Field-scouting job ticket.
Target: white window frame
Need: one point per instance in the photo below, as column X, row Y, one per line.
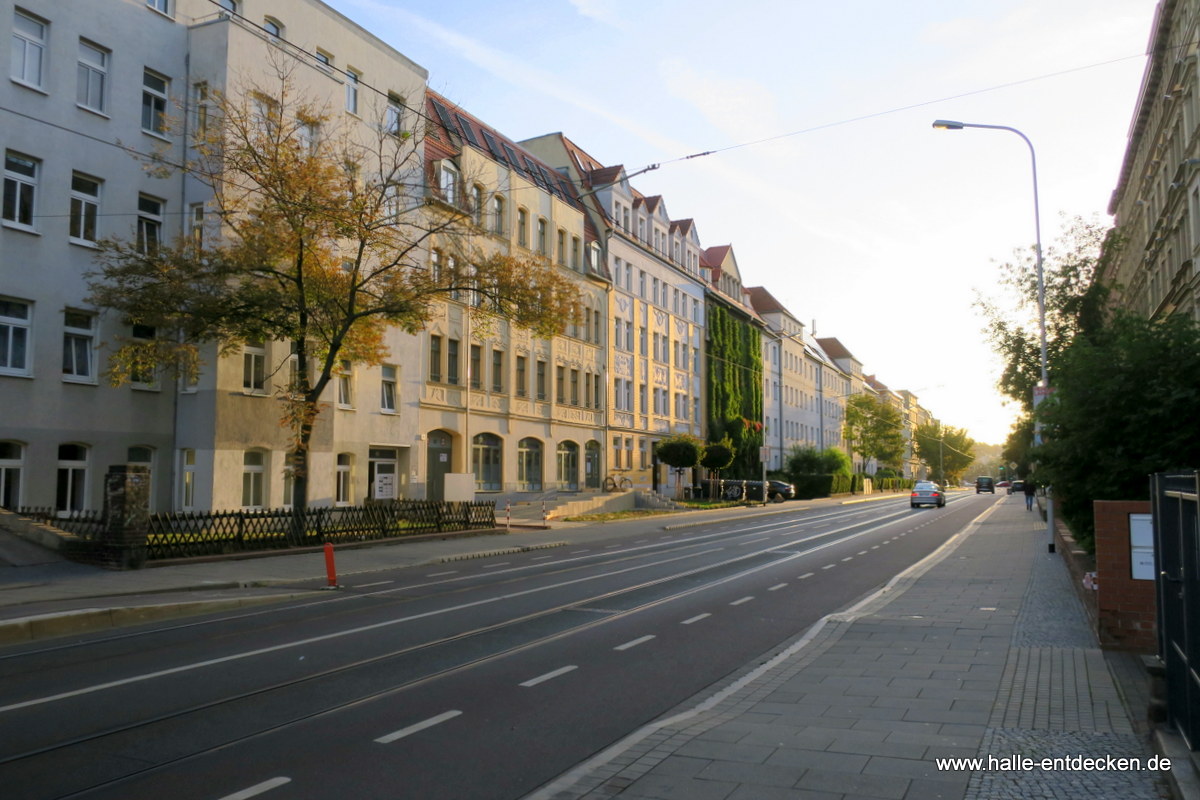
column 345, row 385
column 352, row 80
column 11, row 474
column 75, row 472
column 92, row 86
column 344, row 480
column 393, row 120
column 16, row 331
column 137, row 380
column 151, row 211
column 83, row 227
column 154, row 101
column 388, row 388
column 200, row 104
column 273, row 27
column 161, row 6
column 187, row 479
column 448, row 181
column 254, row 368
column 20, row 190
column 79, row 344
column 28, row 50
column 254, row 469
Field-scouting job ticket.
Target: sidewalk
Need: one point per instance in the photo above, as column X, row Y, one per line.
column 982, row 650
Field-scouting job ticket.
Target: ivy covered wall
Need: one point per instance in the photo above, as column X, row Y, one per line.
column 735, row 389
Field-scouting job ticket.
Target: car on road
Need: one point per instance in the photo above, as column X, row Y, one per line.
column 985, row 484
column 1016, row 487
column 777, row 491
column 927, row 493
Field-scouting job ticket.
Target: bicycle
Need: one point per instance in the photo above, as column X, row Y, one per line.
column 617, row 483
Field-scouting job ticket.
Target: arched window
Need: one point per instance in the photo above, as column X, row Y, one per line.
column 568, row 466
column 529, row 465
column 71, row 487
column 254, row 464
column 273, row 27
column 12, row 458
column 498, row 215
column 486, row 460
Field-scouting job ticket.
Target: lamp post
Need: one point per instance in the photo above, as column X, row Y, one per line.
column 1042, row 388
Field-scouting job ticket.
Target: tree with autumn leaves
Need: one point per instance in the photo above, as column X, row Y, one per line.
column 319, row 235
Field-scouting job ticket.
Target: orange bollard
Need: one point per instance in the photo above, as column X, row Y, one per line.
column 330, row 569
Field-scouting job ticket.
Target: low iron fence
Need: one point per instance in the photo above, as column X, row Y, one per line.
column 188, row 534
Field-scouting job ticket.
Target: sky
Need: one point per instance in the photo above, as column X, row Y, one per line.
column 827, row 178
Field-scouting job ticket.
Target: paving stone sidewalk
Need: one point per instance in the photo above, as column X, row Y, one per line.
column 981, row 651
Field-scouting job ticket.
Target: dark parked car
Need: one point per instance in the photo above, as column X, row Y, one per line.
column 778, row 490
column 1016, row 487
column 985, row 484
column 927, row 493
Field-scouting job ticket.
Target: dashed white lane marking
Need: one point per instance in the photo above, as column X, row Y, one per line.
column 494, row 566
column 742, row 600
column 549, row 676
column 440, row 574
column 862, row 552
column 257, row 789
column 806, row 575
column 829, row 566
column 696, row 618
column 777, row 587
column 848, row 558
column 417, row 728
column 376, row 583
column 541, row 558
column 874, row 547
column 633, row 643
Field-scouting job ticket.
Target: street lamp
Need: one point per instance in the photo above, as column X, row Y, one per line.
column 1042, row 388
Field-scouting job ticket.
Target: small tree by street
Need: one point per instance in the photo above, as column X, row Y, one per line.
column 948, row 451
column 680, row 452
column 873, row 430
column 717, row 456
column 316, row 235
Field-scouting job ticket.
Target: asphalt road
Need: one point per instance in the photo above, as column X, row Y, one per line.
column 481, row 679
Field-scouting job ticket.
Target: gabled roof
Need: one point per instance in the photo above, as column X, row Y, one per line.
column 764, row 302
column 836, row 349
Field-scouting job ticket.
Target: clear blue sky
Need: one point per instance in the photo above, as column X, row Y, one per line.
column 867, row 220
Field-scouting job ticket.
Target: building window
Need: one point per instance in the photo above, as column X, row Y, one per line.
column 497, row 371
column 529, row 465
column 452, row 361
column 71, row 486
column 342, row 487
column 228, row 5
column 568, row 466
column 448, row 181
column 93, row 74
column 154, row 103
column 387, row 389
column 541, row 380
column 200, row 104
column 393, row 120
column 562, row 247
column 85, row 207
column 273, row 28
column 161, row 6
column 486, row 460
column 79, row 341
column 15, row 329
column 28, row 49
column 20, row 189
column 253, row 469
column 560, row 384
column 187, row 479
column 476, row 367
column 498, row 215
column 149, row 224
column 11, row 464
column 352, row 79
column 435, row 359
column 522, row 227
column 254, row 368
column 522, row 386
column 542, row 244
column 195, row 223
column 574, row 387
column 345, row 385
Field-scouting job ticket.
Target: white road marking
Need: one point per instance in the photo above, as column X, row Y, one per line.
column 829, row 566
column 806, row 575
column 862, row 552
column 696, row 618
column 848, row 558
column 549, row 676
column 376, row 583
column 417, row 728
column 742, row 600
column 633, row 643
column 440, row 574
column 493, row 566
column 777, row 587
column 257, row 789
column 541, row 558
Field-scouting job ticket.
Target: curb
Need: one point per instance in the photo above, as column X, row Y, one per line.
column 85, row 620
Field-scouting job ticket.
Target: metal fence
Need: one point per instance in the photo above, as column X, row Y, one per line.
column 1177, row 554
column 204, row 533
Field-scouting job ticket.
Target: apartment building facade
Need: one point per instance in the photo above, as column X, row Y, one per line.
column 1156, row 203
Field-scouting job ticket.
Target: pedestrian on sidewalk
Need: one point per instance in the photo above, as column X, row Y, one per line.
column 1030, row 491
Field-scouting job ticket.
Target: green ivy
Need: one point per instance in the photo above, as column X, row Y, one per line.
column 735, row 394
